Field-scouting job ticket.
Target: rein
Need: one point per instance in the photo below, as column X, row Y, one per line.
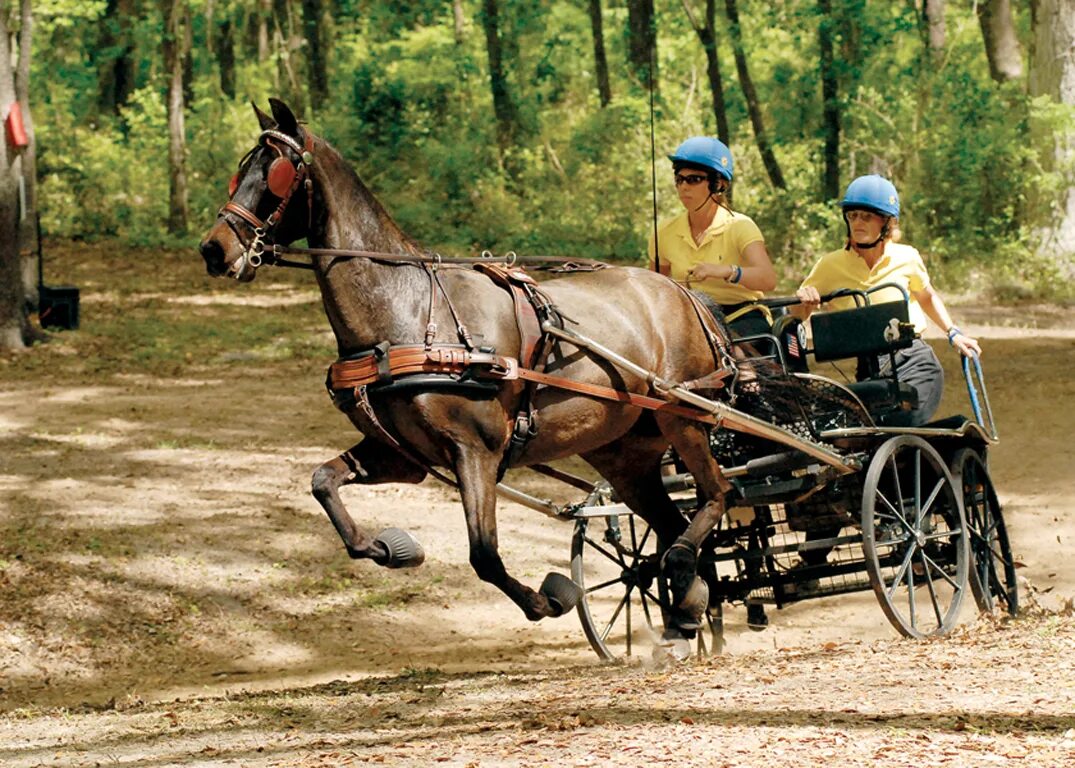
column 566, row 263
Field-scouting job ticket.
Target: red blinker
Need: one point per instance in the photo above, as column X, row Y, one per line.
column 233, row 185
column 281, row 176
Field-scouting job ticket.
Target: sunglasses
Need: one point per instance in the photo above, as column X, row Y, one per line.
column 690, row 179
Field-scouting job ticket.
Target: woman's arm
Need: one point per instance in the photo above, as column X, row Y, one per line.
column 933, row 305
column 756, row 269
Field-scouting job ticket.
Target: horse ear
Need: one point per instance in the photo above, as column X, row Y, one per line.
column 264, row 120
column 285, row 118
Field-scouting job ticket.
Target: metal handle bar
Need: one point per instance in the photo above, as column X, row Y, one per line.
column 861, row 297
column 972, row 392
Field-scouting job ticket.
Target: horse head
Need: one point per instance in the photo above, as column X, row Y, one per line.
column 270, row 198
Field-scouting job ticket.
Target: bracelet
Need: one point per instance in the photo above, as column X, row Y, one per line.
column 953, row 331
column 736, row 275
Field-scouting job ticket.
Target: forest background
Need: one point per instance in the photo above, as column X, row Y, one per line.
column 525, row 125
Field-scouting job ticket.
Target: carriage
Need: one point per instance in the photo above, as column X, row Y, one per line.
column 788, row 484
column 918, row 521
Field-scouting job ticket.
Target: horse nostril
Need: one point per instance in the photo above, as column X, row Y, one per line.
column 213, row 254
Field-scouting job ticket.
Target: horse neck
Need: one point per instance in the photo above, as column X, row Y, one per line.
column 366, row 302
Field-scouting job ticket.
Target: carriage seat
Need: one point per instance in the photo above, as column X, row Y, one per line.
column 874, row 329
column 865, row 333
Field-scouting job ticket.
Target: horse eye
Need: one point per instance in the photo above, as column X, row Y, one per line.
column 233, row 185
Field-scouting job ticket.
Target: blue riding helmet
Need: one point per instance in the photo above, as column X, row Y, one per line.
column 872, row 193
column 705, row 152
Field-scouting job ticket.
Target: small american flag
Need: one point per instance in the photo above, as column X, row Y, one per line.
column 793, row 344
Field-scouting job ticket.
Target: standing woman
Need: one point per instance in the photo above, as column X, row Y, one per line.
column 873, row 255
column 711, row 248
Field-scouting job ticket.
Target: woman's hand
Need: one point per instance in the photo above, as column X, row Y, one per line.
column 966, row 345
column 707, row 271
column 809, row 296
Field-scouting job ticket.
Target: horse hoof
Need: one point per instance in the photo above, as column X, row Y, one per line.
column 404, row 551
column 562, row 593
column 694, row 603
column 672, row 647
column 757, row 621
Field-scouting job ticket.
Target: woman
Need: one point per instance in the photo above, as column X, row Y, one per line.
column 711, row 248
column 718, row 253
column 871, row 256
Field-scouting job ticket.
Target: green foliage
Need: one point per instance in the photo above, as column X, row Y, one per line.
column 410, row 106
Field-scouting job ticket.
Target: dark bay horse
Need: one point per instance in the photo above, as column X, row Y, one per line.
column 293, row 184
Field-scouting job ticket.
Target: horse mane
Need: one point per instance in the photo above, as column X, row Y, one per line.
column 350, row 199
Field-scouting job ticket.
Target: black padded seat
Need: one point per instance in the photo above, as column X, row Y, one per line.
column 884, row 394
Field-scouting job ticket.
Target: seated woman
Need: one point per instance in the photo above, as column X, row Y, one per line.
column 709, row 247
column 873, row 255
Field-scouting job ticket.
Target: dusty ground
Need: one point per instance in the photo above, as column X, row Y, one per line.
column 171, row 594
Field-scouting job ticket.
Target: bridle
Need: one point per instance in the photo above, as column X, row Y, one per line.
column 283, row 179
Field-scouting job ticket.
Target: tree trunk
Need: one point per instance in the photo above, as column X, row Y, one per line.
column 460, row 21
column 768, row 158
column 503, row 105
column 317, row 35
column 27, row 166
column 14, row 321
column 604, row 88
column 1002, row 47
column 642, row 43
column 707, row 34
column 226, row 57
column 934, row 29
column 1052, row 74
column 174, row 41
column 115, row 77
column 830, row 177
column 264, row 23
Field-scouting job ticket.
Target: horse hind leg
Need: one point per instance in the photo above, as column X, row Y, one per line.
column 368, row 463
column 632, row 466
column 680, row 564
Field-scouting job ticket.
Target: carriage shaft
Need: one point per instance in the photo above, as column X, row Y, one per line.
column 725, row 414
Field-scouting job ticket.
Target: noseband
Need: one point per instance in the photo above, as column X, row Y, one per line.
column 280, row 185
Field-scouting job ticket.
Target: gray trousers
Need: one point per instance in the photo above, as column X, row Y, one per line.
column 918, row 366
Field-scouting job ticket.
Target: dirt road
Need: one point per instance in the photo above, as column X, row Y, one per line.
column 171, row 594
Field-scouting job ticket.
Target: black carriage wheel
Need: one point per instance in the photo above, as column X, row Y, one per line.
column 614, row 560
column 914, row 537
column 992, row 576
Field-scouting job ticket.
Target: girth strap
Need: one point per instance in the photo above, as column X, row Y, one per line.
column 454, row 360
column 386, row 363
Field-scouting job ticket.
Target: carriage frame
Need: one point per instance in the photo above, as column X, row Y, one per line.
column 833, row 504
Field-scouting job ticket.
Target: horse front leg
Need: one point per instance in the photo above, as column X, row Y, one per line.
column 477, row 487
column 368, row 463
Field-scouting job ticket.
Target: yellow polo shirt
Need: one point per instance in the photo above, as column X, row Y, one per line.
column 900, row 264
column 722, row 243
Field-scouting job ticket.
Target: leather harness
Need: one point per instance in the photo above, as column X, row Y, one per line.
column 351, row 380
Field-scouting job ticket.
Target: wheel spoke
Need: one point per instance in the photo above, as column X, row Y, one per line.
column 625, row 600
column 919, row 511
column 897, row 514
column 932, row 497
column 604, row 584
column 904, row 566
column 616, row 557
column 928, row 561
column 911, row 607
column 932, row 590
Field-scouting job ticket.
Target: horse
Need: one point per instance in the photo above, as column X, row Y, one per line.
column 381, row 290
